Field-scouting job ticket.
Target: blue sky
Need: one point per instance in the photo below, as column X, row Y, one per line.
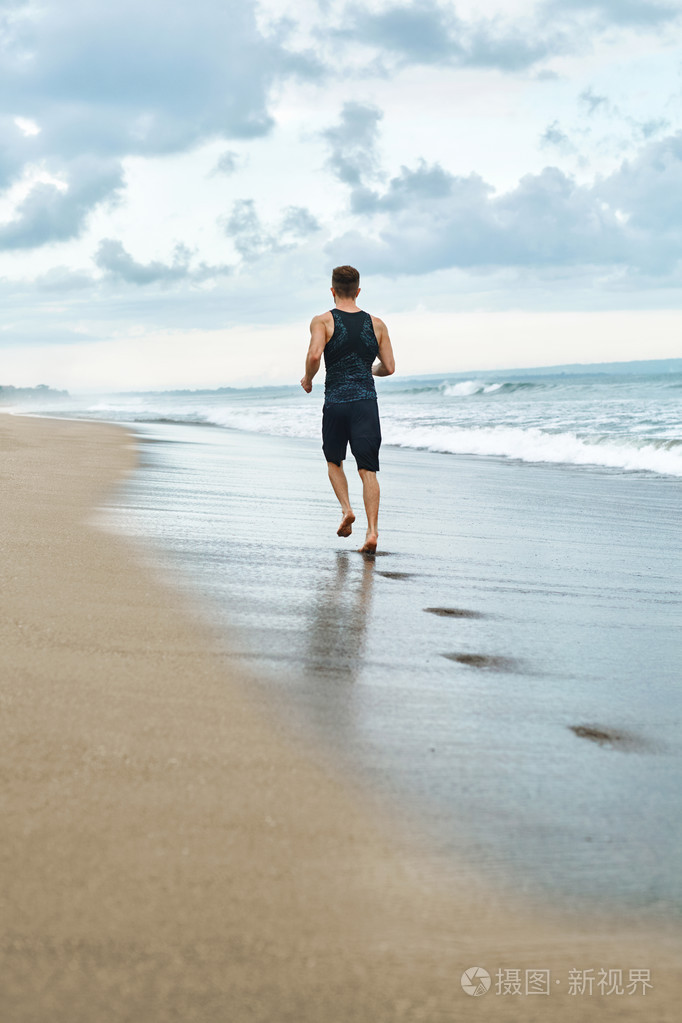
column 178, row 180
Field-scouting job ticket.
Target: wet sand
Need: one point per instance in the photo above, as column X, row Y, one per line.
column 170, row 853
column 513, row 613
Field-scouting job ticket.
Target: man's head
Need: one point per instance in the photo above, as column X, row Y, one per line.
column 345, row 282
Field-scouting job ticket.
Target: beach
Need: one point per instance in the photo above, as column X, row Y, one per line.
column 507, row 667
column 178, row 845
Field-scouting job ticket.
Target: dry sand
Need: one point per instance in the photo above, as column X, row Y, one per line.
column 169, row 853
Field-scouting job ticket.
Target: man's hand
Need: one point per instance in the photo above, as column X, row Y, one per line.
column 306, row 384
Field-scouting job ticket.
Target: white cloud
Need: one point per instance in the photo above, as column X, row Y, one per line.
column 102, row 90
column 26, row 126
column 118, row 264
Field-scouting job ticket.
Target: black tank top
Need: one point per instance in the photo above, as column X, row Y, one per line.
column 348, row 358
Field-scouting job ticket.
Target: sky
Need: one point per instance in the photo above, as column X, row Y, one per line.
column 177, row 182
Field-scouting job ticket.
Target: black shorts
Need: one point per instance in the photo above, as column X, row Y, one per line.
column 357, row 422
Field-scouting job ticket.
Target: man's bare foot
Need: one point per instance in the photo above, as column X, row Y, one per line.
column 370, row 544
column 346, row 527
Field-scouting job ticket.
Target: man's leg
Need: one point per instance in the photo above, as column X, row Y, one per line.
column 370, row 495
column 340, row 484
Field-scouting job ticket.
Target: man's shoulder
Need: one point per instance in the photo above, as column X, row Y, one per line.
column 326, row 318
column 322, row 325
column 377, row 323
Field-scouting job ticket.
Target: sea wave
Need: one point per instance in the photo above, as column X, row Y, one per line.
column 534, row 445
column 628, row 452
column 295, row 421
column 636, row 450
column 467, row 388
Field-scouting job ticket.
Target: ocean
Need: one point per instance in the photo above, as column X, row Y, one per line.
column 505, row 673
column 623, row 421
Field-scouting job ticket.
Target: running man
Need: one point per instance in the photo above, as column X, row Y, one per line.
column 351, row 341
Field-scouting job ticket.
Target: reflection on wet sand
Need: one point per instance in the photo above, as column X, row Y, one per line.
column 332, row 654
column 338, row 623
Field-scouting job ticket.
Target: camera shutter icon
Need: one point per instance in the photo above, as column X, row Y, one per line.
column 475, row 981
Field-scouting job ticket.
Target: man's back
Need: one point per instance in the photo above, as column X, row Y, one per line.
column 349, row 356
column 322, row 329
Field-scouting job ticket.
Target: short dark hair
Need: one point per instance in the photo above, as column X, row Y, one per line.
column 345, row 281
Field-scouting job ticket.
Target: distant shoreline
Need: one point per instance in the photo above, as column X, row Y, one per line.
column 644, row 367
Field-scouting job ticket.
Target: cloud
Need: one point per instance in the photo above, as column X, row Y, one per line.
column 352, row 142
column 547, row 219
column 428, row 32
column 253, row 239
column 105, row 81
column 354, row 159
column 423, row 33
column 244, row 227
column 648, row 189
column 428, row 219
column 298, row 222
column 165, row 85
column 592, row 101
column 226, row 163
column 638, row 13
column 647, row 129
column 50, row 213
column 409, row 189
column 112, row 257
column 60, row 279
column 554, row 136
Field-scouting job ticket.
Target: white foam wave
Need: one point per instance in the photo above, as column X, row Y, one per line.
column 281, row 422
column 535, row 445
column 463, row 389
column 531, row 444
column 407, row 426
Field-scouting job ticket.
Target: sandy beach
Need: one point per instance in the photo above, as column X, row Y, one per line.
column 171, row 852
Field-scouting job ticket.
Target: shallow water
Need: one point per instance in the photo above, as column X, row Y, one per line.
column 506, row 671
column 627, row 420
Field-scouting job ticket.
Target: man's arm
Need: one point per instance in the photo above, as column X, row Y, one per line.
column 385, row 366
column 318, row 339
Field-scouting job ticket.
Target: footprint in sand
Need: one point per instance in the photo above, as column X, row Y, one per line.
column 486, row 661
column 609, row 738
column 454, row 612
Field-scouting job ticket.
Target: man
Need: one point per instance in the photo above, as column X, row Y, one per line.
column 356, row 348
